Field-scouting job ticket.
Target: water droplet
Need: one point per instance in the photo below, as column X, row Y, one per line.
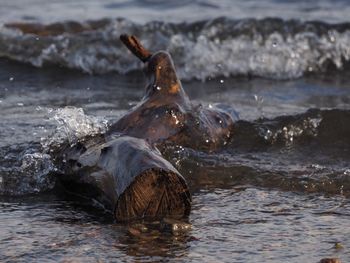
column 20, row 104
column 159, row 88
column 11, row 79
column 207, row 141
column 274, row 44
column 332, row 36
column 210, row 106
column 221, row 81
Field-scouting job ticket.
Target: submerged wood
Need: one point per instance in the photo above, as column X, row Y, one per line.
column 123, row 169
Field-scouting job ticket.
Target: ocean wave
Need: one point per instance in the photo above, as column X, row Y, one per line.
column 307, row 152
column 269, row 48
column 28, row 168
column 324, row 128
column 265, row 152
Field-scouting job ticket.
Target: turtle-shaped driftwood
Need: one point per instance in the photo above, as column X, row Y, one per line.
column 123, row 168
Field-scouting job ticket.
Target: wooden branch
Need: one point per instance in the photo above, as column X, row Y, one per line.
column 134, row 45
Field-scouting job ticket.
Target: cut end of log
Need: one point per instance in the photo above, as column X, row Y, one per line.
column 154, row 194
column 134, row 45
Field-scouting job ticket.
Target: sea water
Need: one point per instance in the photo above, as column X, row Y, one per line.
column 277, row 192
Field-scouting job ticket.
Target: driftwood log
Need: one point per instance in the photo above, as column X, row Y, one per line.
column 166, row 113
column 128, row 176
column 123, row 168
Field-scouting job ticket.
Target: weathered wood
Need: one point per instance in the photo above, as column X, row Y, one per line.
column 134, row 45
column 128, row 176
column 166, row 113
column 124, row 170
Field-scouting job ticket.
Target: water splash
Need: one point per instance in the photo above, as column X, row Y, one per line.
column 30, row 168
column 287, row 134
column 72, row 125
column 36, row 167
column 30, row 175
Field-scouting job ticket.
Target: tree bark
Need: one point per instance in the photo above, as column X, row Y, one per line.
column 128, row 176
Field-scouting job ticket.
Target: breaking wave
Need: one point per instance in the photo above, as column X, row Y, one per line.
column 265, row 152
column 28, row 168
column 269, row 48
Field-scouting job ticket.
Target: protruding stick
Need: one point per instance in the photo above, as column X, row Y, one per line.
column 134, row 45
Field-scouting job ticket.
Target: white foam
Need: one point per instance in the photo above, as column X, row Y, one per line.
column 72, row 125
column 218, row 48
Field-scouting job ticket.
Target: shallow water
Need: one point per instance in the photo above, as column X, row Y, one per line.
column 238, row 224
column 277, row 192
column 289, row 198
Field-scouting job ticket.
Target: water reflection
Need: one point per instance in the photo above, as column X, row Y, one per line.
column 241, row 223
column 154, row 241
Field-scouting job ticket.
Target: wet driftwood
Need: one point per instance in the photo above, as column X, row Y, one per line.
column 166, row 114
column 127, row 176
column 123, row 169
